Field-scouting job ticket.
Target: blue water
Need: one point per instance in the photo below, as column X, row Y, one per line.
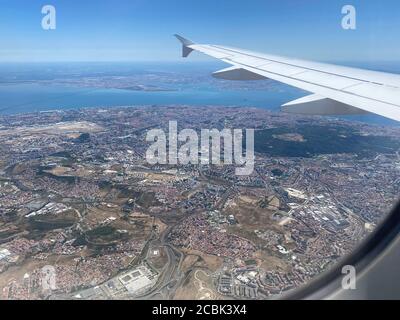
column 32, row 97
column 194, row 86
column 21, row 90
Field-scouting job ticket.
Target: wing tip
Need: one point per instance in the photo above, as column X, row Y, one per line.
column 186, row 43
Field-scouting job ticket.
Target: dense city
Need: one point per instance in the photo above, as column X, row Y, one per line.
column 81, row 207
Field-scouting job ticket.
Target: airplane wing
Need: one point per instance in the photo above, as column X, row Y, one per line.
column 335, row 89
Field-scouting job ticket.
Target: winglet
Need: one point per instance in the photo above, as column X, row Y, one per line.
column 186, row 50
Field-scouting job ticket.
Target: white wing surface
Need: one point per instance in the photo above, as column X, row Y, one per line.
column 336, row 89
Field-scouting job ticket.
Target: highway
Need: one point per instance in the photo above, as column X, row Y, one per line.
column 171, row 275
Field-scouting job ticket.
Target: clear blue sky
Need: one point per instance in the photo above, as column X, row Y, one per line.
column 135, row 30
